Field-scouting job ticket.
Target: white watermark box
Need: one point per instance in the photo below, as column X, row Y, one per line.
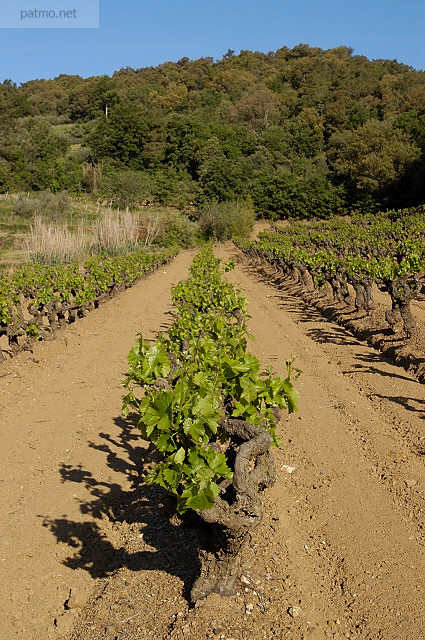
column 49, row 14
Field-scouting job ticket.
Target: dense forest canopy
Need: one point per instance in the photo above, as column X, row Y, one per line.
column 300, row 132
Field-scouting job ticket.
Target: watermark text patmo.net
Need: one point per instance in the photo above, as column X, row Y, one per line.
column 46, row 14
column 49, row 14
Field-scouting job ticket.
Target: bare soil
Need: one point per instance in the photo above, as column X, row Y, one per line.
column 89, row 553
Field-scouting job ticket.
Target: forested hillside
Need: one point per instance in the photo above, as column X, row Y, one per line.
column 299, row 131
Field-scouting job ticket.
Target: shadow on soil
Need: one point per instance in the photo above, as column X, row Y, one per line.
column 289, row 298
column 317, row 308
column 150, row 509
column 365, row 365
column 410, row 404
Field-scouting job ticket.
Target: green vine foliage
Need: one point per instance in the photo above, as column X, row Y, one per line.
column 195, row 375
column 68, row 285
column 383, row 248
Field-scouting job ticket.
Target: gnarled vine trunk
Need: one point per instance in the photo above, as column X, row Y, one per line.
column 237, row 512
column 364, row 296
column 402, row 291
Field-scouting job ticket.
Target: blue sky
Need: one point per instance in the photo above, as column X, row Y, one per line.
column 140, row 33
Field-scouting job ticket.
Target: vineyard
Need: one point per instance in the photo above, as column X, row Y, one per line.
column 345, row 259
column 212, row 322
column 136, row 526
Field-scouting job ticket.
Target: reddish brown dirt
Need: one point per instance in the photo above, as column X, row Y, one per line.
column 340, row 553
column 67, row 457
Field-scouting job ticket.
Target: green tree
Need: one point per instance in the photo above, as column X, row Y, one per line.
column 368, row 159
column 223, row 179
column 13, row 103
column 258, row 108
column 126, row 188
column 184, row 136
column 33, row 155
column 120, row 136
column 90, row 98
column 284, row 194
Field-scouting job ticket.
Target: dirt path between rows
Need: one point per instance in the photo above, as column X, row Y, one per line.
column 340, row 553
column 65, row 458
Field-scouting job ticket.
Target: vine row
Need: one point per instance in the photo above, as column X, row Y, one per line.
column 36, row 300
column 210, row 411
column 386, row 250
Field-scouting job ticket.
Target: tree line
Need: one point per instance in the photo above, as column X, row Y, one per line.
column 298, row 132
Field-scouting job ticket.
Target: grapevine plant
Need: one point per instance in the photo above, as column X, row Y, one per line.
column 387, row 249
column 37, row 299
column 211, row 412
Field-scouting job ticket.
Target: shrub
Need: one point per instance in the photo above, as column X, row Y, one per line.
column 168, row 228
column 25, row 206
column 226, row 220
column 173, row 188
column 46, row 203
column 126, row 188
column 53, row 203
column 178, row 230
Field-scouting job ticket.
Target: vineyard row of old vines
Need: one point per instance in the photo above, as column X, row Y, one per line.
column 387, row 250
column 36, row 300
column 211, row 413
